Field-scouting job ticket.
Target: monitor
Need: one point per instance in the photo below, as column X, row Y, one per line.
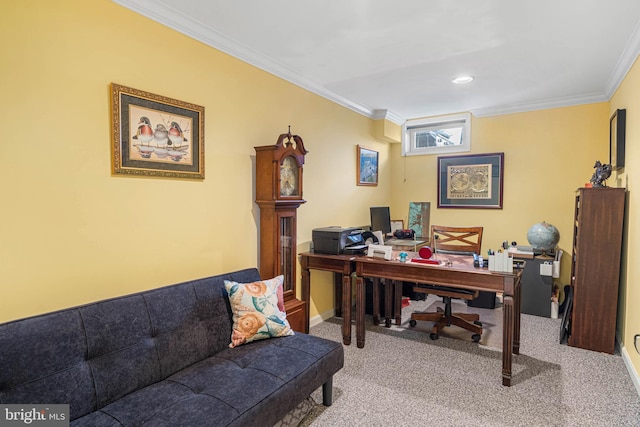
column 380, row 219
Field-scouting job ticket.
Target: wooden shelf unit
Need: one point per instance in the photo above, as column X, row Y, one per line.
column 595, row 267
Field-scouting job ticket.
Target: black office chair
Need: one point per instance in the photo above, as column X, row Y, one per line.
column 451, row 240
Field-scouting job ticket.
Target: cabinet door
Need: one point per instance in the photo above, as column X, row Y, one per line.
column 296, row 315
column 286, row 258
column 536, row 289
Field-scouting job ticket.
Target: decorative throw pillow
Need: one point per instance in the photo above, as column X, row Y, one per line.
column 256, row 314
column 280, row 294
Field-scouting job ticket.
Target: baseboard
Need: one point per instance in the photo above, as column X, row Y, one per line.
column 635, row 378
column 316, row 320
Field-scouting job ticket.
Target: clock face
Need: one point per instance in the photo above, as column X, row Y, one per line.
column 289, row 177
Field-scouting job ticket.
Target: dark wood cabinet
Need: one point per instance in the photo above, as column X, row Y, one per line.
column 595, row 267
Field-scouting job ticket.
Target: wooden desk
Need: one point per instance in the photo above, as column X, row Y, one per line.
column 342, row 264
column 460, row 274
column 342, row 267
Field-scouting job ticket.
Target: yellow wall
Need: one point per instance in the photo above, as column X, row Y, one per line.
column 548, row 154
column 72, row 233
column 628, row 96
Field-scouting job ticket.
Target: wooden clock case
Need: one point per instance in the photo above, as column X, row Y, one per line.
column 279, row 203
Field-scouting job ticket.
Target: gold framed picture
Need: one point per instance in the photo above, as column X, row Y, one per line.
column 155, row 136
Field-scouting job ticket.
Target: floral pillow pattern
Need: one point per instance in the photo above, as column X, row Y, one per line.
column 256, row 314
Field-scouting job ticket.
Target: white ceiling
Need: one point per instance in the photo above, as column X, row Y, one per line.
column 396, row 58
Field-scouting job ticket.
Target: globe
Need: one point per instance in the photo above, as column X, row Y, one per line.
column 543, row 236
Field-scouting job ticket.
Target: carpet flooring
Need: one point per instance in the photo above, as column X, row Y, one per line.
column 403, row 378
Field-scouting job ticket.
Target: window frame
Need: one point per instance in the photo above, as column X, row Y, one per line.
column 411, row 127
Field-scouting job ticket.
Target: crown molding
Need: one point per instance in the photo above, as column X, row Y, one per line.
column 540, row 105
column 625, row 62
column 179, row 21
column 388, row 115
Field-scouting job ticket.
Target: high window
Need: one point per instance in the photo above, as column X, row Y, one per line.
column 444, row 134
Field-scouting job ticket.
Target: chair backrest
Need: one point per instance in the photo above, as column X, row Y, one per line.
column 462, row 240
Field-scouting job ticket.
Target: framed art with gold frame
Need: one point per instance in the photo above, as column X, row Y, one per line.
column 155, row 136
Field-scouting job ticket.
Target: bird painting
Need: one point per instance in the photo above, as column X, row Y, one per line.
column 176, row 136
column 163, row 140
column 145, row 132
column 161, row 135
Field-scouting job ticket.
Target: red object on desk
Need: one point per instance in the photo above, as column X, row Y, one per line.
column 425, row 261
column 425, row 252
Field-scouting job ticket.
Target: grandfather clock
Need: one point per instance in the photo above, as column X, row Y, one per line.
column 279, row 195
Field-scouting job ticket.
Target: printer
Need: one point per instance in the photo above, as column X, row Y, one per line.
column 337, row 240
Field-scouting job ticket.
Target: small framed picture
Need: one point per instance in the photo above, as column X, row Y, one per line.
column 419, row 217
column 617, row 125
column 397, row 224
column 367, row 167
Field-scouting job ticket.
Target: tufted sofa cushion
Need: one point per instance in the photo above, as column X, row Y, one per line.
column 160, row 356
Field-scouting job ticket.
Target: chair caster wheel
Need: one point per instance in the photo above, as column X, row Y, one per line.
column 412, row 323
column 475, row 337
column 433, row 336
column 477, row 322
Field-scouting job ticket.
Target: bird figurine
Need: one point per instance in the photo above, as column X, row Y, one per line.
column 176, row 136
column 602, row 172
column 145, row 131
column 161, row 135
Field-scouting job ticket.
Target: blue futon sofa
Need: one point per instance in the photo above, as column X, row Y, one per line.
column 161, row 358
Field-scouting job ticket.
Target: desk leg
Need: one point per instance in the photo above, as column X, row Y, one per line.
column 517, row 306
column 388, row 302
column 375, row 300
column 346, row 309
column 360, row 311
column 397, row 300
column 338, row 280
column 508, row 327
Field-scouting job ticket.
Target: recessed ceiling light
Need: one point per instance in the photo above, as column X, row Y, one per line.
column 463, row 80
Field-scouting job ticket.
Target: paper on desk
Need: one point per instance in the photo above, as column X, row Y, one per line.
column 380, row 251
column 517, row 252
